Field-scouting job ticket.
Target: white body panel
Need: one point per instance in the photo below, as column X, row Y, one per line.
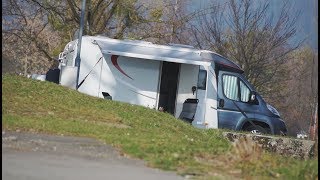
column 147, row 50
column 41, row 77
column 136, row 85
column 68, row 76
column 90, row 64
column 127, row 78
column 199, row 118
column 68, row 72
column 188, row 77
column 211, row 113
column 207, row 114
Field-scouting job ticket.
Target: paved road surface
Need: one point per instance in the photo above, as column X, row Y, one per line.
column 34, row 156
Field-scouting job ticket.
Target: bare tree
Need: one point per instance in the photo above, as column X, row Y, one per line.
column 250, row 35
column 28, row 41
column 35, row 31
column 108, row 17
column 300, row 97
column 168, row 22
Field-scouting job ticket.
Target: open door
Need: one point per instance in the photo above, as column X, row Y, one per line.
column 168, row 86
column 187, row 85
column 206, row 114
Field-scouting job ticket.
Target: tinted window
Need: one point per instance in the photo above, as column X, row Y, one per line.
column 234, row 87
column 69, row 58
column 230, row 87
column 202, row 79
column 245, row 92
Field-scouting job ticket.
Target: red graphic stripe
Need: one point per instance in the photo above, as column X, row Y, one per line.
column 142, row 94
column 114, row 60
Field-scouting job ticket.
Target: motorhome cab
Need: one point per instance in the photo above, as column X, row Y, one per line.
column 198, row 86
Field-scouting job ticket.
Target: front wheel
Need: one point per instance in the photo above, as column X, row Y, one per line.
column 257, row 129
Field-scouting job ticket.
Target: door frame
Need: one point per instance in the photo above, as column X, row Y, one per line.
column 160, row 82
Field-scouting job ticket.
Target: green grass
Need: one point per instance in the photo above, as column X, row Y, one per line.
column 158, row 138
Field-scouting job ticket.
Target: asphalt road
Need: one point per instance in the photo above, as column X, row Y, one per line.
column 37, row 156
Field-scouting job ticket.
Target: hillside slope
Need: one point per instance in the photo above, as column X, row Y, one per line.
column 156, row 137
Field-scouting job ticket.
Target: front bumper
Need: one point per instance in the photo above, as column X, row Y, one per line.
column 280, row 127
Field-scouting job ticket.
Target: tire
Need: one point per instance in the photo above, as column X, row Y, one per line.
column 257, row 129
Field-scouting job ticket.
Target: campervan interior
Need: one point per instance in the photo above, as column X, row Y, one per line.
column 168, row 86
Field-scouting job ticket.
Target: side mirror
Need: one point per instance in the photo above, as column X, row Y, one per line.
column 253, row 98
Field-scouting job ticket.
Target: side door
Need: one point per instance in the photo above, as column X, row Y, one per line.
column 233, row 97
column 211, row 115
column 201, row 95
column 188, row 77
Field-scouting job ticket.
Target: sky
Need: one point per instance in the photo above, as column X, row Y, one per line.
column 307, row 27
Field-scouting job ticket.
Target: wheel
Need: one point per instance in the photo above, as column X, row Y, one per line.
column 257, row 129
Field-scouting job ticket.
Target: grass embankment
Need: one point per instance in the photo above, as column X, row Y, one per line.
column 158, row 138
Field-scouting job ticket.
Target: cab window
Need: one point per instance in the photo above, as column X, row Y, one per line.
column 244, row 92
column 230, row 87
column 235, row 89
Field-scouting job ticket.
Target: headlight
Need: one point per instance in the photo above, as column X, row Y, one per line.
column 273, row 110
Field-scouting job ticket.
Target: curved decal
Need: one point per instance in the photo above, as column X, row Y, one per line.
column 142, row 94
column 114, row 60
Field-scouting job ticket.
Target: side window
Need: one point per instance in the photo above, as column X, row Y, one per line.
column 70, row 54
column 202, row 79
column 234, row 87
column 230, row 87
column 245, row 92
column 69, row 59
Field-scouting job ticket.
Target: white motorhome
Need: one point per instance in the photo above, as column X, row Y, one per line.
column 167, row 77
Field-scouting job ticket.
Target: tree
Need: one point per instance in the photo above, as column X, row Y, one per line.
column 107, row 17
column 167, row 22
column 35, row 31
column 29, row 43
column 44, row 27
column 247, row 33
column 300, row 97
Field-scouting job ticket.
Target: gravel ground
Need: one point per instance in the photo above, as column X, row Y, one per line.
column 46, row 157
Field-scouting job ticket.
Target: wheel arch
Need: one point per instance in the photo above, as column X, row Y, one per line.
column 256, row 122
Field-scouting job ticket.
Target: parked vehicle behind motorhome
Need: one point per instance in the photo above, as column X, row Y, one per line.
column 198, row 86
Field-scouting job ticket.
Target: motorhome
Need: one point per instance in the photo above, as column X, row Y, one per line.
column 199, row 86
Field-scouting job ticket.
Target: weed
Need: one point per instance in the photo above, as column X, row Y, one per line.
column 245, row 149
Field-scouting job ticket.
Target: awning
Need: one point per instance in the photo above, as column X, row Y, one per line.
column 147, row 50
